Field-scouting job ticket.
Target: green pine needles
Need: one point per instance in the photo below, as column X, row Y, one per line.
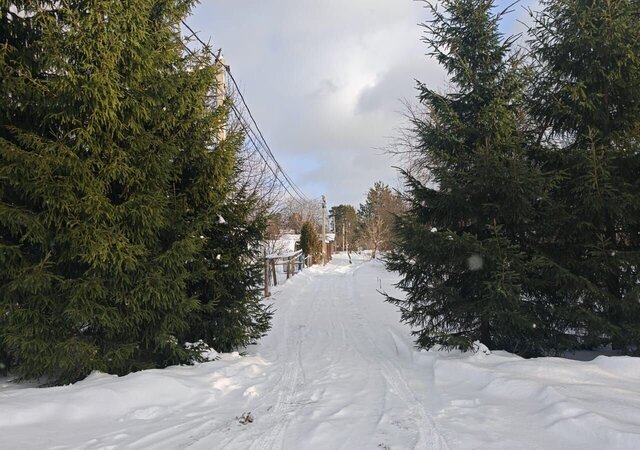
column 110, row 177
column 586, row 99
column 524, row 231
column 310, row 243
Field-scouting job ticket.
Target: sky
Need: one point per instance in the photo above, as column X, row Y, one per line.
column 326, row 81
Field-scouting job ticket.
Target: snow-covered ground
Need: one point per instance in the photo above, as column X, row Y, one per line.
column 338, row 371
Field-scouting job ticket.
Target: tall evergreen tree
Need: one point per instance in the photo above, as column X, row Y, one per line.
column 227, row 276
column 103, row 121
column 377, row 216
column 346, row 222
column 586, row 101
column 310, row 243
column 462, row 249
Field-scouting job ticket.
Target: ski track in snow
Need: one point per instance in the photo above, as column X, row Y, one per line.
column 429, row 437
column 338, row 371
column 326, row 326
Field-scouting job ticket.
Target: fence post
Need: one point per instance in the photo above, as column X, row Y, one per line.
column 273, row 269
column 288, row 268
column 266, row 275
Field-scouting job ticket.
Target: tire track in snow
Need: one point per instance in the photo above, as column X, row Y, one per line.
column 431, row 439
column 327, row 305
column 287, row 390
column 288, row 385
column 277, row 404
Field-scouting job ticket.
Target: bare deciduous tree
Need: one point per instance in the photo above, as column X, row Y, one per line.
column 377, row 215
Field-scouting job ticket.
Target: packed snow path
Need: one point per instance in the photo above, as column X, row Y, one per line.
column 337, row 380
column 338, row 371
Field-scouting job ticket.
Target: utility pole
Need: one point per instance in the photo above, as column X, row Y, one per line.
column 344, row 240
column 324, row 236
column 221, row 90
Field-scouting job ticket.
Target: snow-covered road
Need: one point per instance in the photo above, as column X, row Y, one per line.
column 340, row 377
column 338, row 371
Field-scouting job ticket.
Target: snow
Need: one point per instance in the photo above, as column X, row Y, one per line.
column 284, row 255
column 284, row 244
column 338, row 371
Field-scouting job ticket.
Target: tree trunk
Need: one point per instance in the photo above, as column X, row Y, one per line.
column 485, row 332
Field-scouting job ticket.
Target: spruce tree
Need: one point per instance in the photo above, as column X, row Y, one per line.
column 462, row 247
column 227, row 275
column 586, row 102
column 102, row 119
column 310, row 243
column 346, row 222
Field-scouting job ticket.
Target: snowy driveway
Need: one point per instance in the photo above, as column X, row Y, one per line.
column 339, row 353
column 338, row 371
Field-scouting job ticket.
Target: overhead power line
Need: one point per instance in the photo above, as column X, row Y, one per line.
column 252, row 130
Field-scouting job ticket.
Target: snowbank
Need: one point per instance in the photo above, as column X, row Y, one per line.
column 339, row 371
column 503, row 401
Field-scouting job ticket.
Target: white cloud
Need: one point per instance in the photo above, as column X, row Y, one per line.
column 325, row 80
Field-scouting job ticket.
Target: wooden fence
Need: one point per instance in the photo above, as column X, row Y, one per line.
column 291, row 264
